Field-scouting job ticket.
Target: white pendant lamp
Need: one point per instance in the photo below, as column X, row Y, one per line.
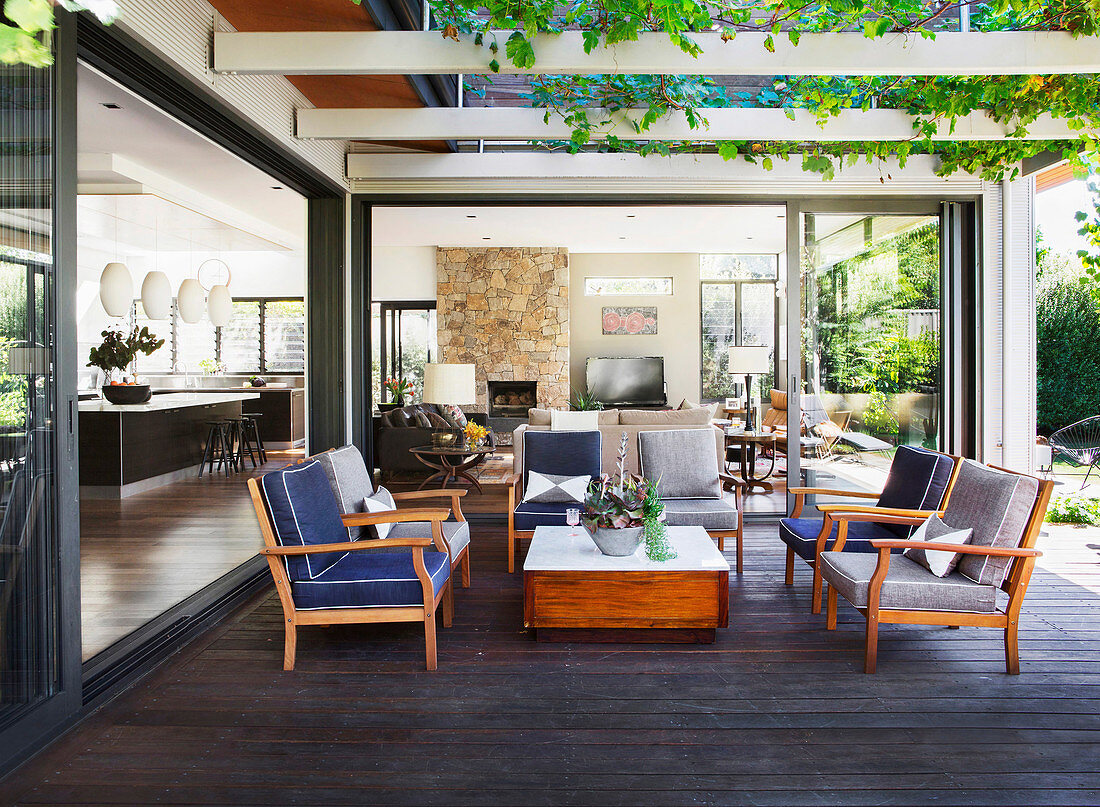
column 156, row 296
column 116, row 289
column 219, row 305
column 190, row 301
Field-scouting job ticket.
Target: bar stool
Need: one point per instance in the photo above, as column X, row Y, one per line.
column 219, row 447
column 243, row 429
column 252, row 425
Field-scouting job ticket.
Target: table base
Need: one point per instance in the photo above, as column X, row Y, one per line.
column 627, row 635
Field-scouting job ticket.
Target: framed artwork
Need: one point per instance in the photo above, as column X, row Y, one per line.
column 633, row 320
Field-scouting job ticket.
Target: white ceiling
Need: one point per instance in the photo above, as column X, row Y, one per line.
column 175, row 162
column 680, row 228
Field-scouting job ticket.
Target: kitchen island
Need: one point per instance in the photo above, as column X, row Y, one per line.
column 128, row 449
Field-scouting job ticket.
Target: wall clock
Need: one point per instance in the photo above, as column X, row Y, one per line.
column 213, row 272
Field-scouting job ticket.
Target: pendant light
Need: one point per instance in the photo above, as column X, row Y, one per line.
column 116, row 289
column 190, row 301
column 219, row 305
column 156, row 295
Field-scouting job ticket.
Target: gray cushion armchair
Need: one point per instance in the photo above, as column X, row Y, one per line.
column 1005, row 511
column 685, row 467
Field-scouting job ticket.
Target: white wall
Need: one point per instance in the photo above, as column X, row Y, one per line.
column 402, row 273
column 678, row 317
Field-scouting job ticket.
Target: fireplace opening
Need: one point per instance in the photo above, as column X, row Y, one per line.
column 511, row 399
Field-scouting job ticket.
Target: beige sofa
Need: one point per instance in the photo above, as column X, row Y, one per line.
column 613, row 422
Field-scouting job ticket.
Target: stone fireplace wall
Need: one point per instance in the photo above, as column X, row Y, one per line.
column 506, row 311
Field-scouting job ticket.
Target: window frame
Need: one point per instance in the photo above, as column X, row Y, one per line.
column 389, row 364
column 670, row 293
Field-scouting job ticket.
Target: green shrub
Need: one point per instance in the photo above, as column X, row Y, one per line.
column 1068, row 353
column 1073, row 509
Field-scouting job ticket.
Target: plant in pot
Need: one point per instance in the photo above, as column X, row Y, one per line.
column 614, row 509
column 117, row 353
column 399, row 388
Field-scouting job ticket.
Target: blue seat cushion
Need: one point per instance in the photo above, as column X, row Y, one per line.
column 304, row 511
column 917, row 481
column 800, row 534
column 371, row 580
column 540, row 514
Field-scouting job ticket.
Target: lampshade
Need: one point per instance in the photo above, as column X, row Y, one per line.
column 449, row 383
column 116, row 289
column 749, row 359
column 156, row 296
column 190, row 301
column 219, row 305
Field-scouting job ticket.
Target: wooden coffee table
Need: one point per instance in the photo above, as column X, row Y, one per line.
column 573, row 592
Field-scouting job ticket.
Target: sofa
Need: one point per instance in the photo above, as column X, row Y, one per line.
column 613, row 422
column 408, row 427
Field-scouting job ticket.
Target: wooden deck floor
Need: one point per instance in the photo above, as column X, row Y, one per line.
column 776, row 712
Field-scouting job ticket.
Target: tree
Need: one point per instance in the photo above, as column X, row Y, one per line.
column 1068, row 353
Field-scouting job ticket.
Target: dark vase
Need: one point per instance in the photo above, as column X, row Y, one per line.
column 389, row 407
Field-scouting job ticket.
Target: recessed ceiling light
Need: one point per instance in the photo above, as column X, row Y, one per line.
column 631, row 216
column 276, row 187
column 471, row 216
column 110, row 105
column 622, row 237
column 486, row 238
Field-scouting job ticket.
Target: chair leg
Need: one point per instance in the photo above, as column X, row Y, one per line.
column 290, row 647
column 511, row 547
column 740, row 547
column 721, row 543
column 1012, row 649
column 815, row 605
column 830, row 609
column 788, row 573
column 870, row 654
column 466, row 569
column 448, row 603
column 429, row 637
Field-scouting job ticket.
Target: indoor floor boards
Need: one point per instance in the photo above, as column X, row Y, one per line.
column 776, row 712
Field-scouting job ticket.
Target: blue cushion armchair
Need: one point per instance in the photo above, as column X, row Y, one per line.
column 918, row 484
column 550, row 453
column 324, row 577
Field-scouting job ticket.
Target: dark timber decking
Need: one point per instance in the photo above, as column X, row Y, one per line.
column 776, row 712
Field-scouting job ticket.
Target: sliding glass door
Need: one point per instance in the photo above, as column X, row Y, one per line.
column 404, row 339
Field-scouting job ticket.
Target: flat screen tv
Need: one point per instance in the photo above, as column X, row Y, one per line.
column 627, row 382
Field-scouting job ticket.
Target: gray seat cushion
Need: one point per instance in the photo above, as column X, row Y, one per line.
column 996, row 505
column 908, row 585
column 681, row 461
column 710, row 514
column 457, row 533
column 350, row 481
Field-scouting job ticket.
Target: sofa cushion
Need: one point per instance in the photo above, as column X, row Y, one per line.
column 711, row 407
column 349, row 479
column 800, row 534
column 538, row 417
column 997, row 505
column 681, row 461
column 381, row 501
column 304, row 511
column 565, row 421
column 529, row 515
column 371, row 580
column 561, row 453
column 940, row 562
column 664, row 417
column 710, row 514
column 437, row 421
column 455, row 417
column 457, row 533
column 917, row 481
column 609, row 417
column 555, row 488
column 907, row 585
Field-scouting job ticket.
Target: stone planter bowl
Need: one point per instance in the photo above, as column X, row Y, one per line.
column 129, row 394
column 617, row 543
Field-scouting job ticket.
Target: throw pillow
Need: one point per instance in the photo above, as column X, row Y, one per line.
column 380, row 502
column 940, row 562
column 421, row 419
column 438, row 421
column 562, row 421
column 545, row 488
column 455, row 416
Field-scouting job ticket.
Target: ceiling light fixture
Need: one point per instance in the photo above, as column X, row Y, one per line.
column 471, row 216
column 276, row 187
column 110, row 105
column 486, row 238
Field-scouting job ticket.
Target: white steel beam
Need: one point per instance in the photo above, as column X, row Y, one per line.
column 484, row 123
column 843, row 54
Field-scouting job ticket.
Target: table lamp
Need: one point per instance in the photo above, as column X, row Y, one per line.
column 749, row 360
column 449, row 384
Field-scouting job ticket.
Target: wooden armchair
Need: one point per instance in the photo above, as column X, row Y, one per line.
column 1005, row 509
column 324, row 578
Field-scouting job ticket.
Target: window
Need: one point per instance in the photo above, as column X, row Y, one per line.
column 284, row 336
column 626, row 286
column 403, row 338
column 240, row 339
column 739, row 307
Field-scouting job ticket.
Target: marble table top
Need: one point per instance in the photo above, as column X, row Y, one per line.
column 556, row 549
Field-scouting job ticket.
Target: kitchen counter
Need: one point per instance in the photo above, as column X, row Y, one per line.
column 169, row 400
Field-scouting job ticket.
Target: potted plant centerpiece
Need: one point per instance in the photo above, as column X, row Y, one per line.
column 613, row 511
column 115, row 355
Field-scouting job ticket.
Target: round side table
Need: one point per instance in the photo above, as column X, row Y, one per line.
column 747, row 443
column 451, row 463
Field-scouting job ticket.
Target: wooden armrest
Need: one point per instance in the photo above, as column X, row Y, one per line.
column 966, row 549
column 878, row 518
column 860, row 494
column 733, row 480
column 885, row 511
column 350, row 546
column 512, row 479
column 395, row 516
column 441, row 493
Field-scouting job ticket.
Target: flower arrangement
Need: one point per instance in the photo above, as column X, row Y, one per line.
column 119, row 350
column 475, row 434
column 400, row 388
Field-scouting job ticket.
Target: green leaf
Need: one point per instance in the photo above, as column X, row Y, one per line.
column 30, row 15
column 769, row 44
column 494, row 65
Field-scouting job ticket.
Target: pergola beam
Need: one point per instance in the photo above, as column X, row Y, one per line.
column 841, row 54
column 482, row 123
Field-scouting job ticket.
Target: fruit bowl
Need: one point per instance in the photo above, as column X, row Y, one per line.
column 127, row 393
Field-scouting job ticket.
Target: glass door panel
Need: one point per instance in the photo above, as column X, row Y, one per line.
column 871, row 344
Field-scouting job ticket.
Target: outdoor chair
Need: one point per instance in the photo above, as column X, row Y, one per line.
column 552, row 454
column 1079, row 443
column 690, row 484
column 818, row 423
column 1003, row 509
column 918, row 483
column 351, row 484
column 324, row 577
